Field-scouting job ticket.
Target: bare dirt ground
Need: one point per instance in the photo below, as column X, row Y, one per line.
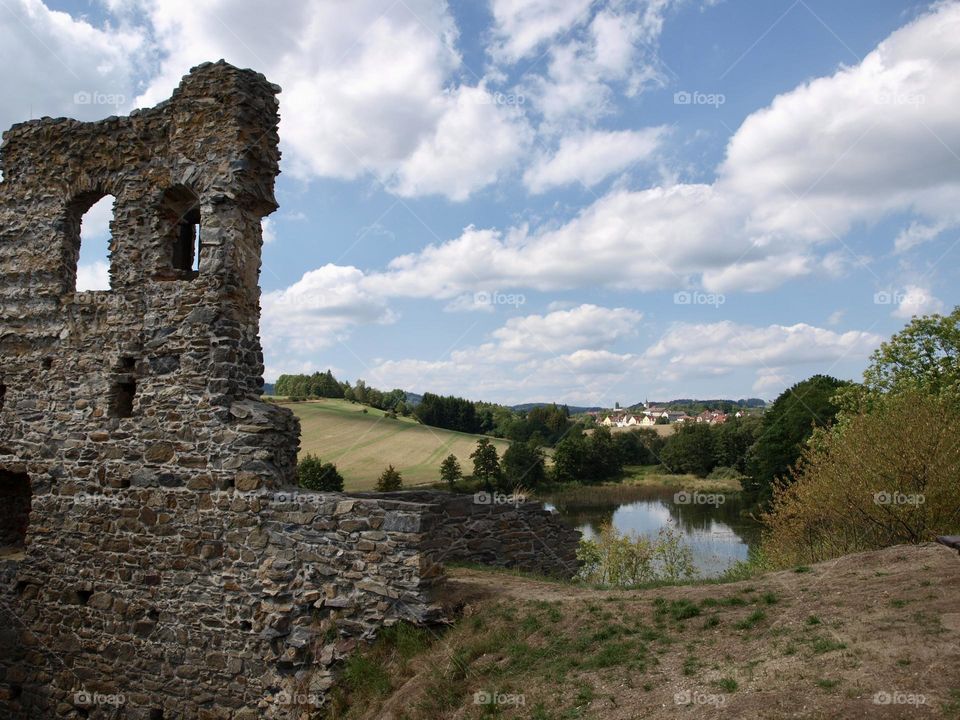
column 871, row 635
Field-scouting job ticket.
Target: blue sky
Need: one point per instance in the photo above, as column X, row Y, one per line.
column 532, row 200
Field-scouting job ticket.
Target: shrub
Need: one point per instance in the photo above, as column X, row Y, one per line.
column 889, row 478
column 313, row 474
column 614, row 558
column 389, row 480
column 724, row 473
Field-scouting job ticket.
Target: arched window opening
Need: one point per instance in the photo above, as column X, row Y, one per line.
column 180, row 215
column 14, row 511
column 94, row 219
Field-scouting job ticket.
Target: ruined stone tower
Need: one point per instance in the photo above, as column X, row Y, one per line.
column 145, row 383
column 155, row 560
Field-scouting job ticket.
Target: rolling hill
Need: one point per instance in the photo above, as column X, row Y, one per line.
column 362, row 443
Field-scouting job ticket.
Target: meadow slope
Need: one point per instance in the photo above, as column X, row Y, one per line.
column 865, row 636
column 363, row 444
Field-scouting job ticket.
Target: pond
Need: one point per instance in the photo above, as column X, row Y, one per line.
column 717, row 533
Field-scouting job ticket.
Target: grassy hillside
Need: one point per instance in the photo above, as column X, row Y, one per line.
column 363, row 444
column 873, row 635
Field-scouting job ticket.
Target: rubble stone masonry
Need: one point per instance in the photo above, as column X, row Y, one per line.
column 155, row 560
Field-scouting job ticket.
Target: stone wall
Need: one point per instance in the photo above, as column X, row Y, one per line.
column 14, row 509
column 177, row 604
column 498, row 530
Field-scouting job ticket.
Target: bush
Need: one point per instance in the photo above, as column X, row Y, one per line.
column 890, row 477
column 313, row 474
column 389, row 480
column 614, row 558
column 724, row 473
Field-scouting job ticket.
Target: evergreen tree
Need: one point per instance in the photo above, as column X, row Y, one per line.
column 313, row 474
column 787, row 425
column 389, row 480
column 450, row 470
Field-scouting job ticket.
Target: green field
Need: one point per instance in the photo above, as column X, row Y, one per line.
column 363, row 444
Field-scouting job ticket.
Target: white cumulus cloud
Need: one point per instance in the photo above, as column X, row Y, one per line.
column 318, row 310
column 590, row 157
column 724, row 346
column 916, row 300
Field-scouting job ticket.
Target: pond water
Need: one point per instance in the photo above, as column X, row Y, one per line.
column 717, row 533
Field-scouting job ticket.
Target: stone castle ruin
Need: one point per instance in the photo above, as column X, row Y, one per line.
column 157, row 561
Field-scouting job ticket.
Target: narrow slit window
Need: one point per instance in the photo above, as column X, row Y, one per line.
column 179, row 216
column 121, row 398
column 15, row 498
column 186, row 251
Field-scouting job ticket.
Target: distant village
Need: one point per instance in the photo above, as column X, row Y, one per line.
column 652, row 415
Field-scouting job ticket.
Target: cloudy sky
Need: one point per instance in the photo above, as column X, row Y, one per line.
column 588, row 202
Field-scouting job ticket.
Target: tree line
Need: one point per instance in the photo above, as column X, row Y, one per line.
column 543, row 425
column 325, row 385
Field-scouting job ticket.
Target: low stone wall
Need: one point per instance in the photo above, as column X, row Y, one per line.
column 152, row 603
column 497, row 530
column 176, row 604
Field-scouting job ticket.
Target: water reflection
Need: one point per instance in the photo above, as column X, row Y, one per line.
column 718, row 534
